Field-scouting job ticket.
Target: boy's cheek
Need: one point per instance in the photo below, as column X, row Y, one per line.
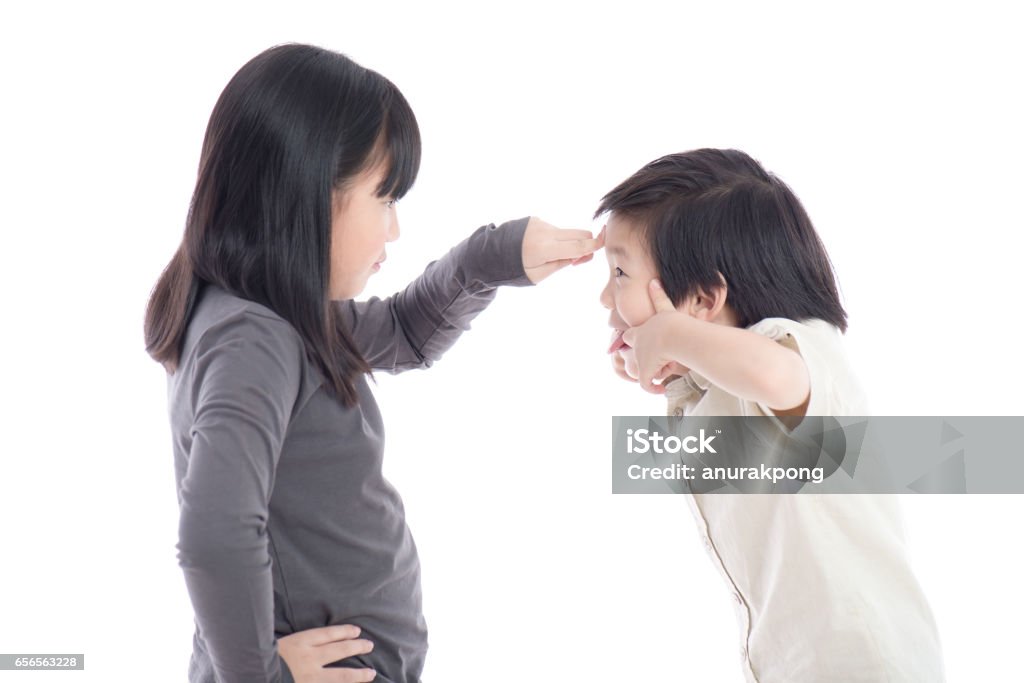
column 636, row 312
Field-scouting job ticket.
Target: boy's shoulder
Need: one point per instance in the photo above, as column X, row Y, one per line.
column 780, row 327
column 835, row 387
column 803, row 336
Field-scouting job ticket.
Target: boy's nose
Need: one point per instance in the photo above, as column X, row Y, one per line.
column 606, row 297
column 393, row 229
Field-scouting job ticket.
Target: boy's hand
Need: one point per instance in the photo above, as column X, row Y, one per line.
column 547, row 248
column 306, row 653
column 652, row 342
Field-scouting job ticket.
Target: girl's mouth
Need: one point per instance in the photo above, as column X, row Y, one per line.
column 617, row 342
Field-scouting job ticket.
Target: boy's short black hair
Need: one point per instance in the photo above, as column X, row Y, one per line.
column 711, row 211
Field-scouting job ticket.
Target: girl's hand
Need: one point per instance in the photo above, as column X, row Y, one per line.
column 547, row 248
column 306, row 652
column 651, row 342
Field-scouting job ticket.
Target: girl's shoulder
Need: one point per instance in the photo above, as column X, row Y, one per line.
column 222, row 319
column 216, row 303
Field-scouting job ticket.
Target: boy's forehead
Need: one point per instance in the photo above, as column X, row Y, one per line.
column 622, row 238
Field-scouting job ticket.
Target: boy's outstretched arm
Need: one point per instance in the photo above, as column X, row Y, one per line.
column 743, row 363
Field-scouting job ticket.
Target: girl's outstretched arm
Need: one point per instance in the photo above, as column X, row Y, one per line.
column 743, row 363
column 416, row 326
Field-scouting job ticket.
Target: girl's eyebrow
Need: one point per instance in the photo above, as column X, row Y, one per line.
column 617, row 251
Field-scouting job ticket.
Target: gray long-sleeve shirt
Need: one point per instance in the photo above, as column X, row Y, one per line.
column 287, row 522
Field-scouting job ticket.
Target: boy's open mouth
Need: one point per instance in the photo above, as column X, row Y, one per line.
column 617, row 342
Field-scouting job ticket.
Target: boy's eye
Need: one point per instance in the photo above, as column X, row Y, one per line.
column 618, row 272
column 391, row 203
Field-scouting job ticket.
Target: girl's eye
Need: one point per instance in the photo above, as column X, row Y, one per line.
column 618, row 272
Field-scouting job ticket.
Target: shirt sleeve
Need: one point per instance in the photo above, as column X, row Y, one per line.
column 798, row 337
column 246, row 383
column 414, row 327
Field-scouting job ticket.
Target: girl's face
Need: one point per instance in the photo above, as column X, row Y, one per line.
column 361, row 224
column 630, row 271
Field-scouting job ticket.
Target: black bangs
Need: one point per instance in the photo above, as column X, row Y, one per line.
column 402, row 145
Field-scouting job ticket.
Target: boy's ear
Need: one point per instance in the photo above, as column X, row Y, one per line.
column 707, row 304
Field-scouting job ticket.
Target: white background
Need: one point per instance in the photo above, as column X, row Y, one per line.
column 898, row 126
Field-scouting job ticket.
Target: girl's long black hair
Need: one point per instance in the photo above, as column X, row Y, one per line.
column 294, row 124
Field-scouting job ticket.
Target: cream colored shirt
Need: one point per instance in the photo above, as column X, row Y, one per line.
column 822, row 583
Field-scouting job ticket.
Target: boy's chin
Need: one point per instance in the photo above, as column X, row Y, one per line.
column 629, row 356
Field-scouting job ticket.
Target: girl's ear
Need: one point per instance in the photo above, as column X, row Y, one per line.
column 708, row 304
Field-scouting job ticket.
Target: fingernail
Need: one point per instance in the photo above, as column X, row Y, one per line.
column 656, row 283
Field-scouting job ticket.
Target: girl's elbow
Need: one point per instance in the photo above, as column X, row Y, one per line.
column 211, row 540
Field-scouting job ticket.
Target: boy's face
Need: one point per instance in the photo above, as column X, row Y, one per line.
column 630, row 271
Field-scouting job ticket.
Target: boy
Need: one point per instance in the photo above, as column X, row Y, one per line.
column 720, row 289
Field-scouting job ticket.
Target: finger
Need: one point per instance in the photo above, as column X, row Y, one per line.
column 651, row 387
column 651, row 382
column 349, row 675
column 660, row 299
column 331, row 634
column 557, row 250
column 582, row 259
column 625, row 375
column 677, row 369
column 619, row 365
column 572, row 234
column 343, row 649
column 538, row 273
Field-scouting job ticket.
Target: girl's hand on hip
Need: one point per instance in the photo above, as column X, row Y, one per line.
column 306, row 653
column 547, row 248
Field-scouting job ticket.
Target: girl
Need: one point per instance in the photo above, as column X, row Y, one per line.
column 295, row 549
column 721, row 290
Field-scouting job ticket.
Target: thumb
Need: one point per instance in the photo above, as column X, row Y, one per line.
column 659, row 298
column 629, row 336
